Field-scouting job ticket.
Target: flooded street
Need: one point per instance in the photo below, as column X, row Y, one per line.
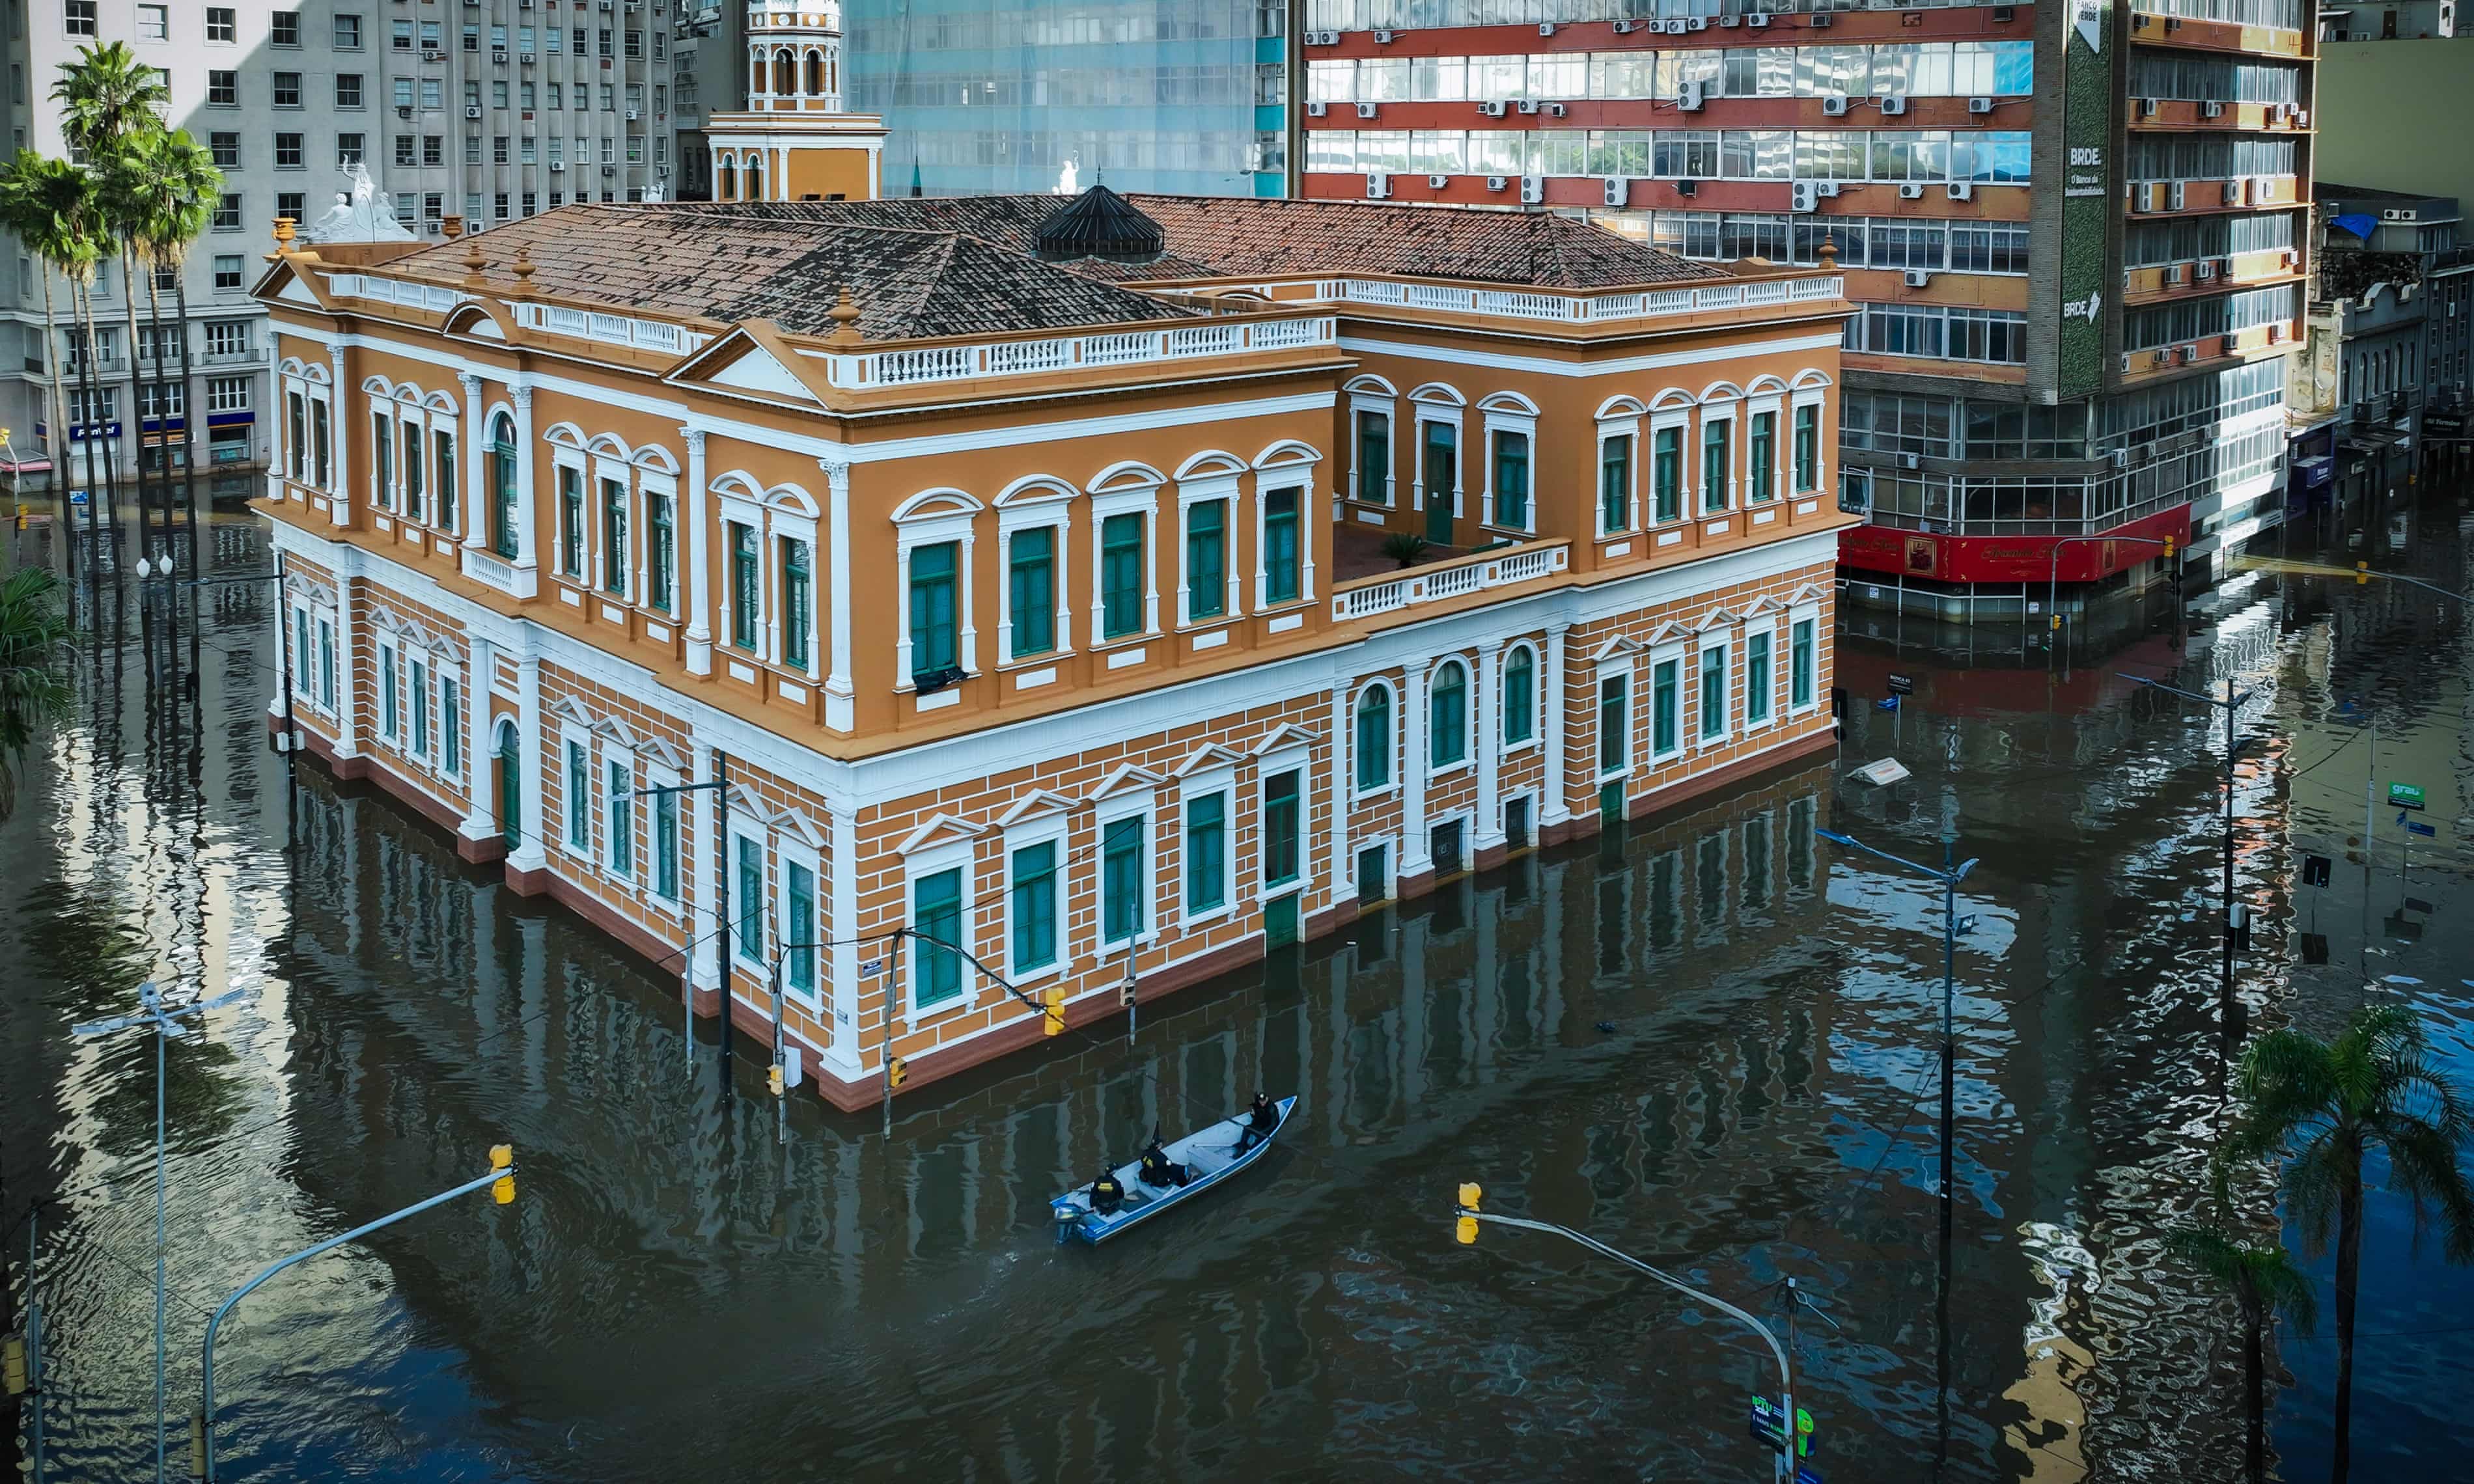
column 1709, row 1038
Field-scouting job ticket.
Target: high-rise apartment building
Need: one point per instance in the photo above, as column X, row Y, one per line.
column 983, row 97
column 2076, row 233
column 708, row 75
column 489, row 110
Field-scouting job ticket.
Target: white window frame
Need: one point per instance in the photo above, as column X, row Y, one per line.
column 1803, row 613
column 658, row 776
column 605, row 469
column 1146, row 501
column 390, row 695
column 1427, row 767
column 733, row 510
column 651, row 482
column 1606, row 670
column 1536, row 699
column 1782, row 445
column 1723, row 642
column 1202, row 786
column 1816, row 398
column 1721, row 412
column 1391, row 774
column 1268, row 482
column 383, row 495
column 1438, row 412
column 1686, row 471
column 562, row 457
column 740, row 835
column 1389, row 406
column 789, row 851
column 1056, row 517
column 1200, row 490
column 573, row 735
column 1047, row 830
column 1753, row 629
column 1665, row 653
column 1298, row 760
column 1506, row 419
column 1133, row 802
column 611, row 754
column 1627, row 425
column 954, row 526
column 773, row 579
column 935, row 860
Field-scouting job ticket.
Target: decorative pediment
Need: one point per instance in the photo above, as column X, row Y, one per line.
column 292, row 291
column 1286, row 734
column 751, row 358
column 616, row 729
column 1210, row 755
column 1716, row 618
column 1762, row 605
column 1129, row 777
column 1615, row 648
column 1669, row 633
column 568, row 709
column 661, row 753
column 1810, row 592
column 1037, row 803
column 743, row 799
column 794, row 823
column 938, row 829
column 316, row 591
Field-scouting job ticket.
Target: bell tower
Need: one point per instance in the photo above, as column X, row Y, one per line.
column 796, row 142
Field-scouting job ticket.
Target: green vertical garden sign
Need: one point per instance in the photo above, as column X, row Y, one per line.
column 2087, row 193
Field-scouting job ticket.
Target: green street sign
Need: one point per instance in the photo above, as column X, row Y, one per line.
column 2405, row 795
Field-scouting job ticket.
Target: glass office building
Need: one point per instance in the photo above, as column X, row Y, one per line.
column 1184, row 96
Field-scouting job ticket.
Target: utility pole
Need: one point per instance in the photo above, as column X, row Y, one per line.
column 778, row 1076
column 719, row 783
column 2227, row 1008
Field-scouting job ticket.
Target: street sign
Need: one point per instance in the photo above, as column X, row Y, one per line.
column 2418, row 828
column 2315, row 871
column 1887, row 770
column 1901, row 686
column 2406, row 795
column 1804, row 1476
column 1886, row 704
column 1768, row 1424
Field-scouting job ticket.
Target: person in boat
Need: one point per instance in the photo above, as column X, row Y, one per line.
column 1260, row 1120
column 1108, row 1196
column 1158, row 1170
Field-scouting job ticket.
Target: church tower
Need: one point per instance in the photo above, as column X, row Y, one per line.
column 794, row 142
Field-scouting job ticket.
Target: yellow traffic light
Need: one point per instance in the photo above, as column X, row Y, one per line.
column 1465, row 1230
column 896, row 1071
column 773, row 1078
column 1126, row 995
column 2362, row 574
column 1053, row 1022
column 503, row 1157
column 2169, row 548
column 12, row 1364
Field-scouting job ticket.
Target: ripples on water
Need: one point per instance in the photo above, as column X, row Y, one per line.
column 676, row 1295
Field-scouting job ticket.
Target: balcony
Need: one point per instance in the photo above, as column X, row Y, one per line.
column 246, row 355
column 1456, row 577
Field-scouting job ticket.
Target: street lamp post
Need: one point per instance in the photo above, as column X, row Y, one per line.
column 164, row 1021
column 2054, row 569
column 778, row 1076
column 500, row 1178
column 719, row 784
column 1467, row 1214
column 2230, row 704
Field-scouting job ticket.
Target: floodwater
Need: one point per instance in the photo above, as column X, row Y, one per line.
column 1709, row 1039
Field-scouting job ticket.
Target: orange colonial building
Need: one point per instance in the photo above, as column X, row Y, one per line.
column 1019, row 565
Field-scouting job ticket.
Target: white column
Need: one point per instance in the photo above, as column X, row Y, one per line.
column 1414, row 857
column 527, row 855
column 475, row 523
column 699, row 578
column 705, row 805
column 525, row 549
column 338, row 468
column 1343, row 871
column 480, row 811
column 347, row 704
column 1551, row 693
column 837, row 680
column 1486, row 698
column 842, row 923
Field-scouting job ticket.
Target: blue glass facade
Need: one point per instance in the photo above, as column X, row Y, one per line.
column 1183, row 96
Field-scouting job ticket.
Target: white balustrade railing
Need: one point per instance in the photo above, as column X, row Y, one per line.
column 1366, row 598
column 1577, row 308
column 394, row 291
column 862, row 370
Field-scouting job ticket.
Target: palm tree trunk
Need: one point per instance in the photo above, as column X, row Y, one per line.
column 2349, row 1270
column 2254, row 1396
column 98, row 495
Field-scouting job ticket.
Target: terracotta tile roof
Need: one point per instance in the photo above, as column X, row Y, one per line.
column 788, row 263
column 1212, row 236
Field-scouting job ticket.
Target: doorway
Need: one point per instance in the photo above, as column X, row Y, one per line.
column 508, row 765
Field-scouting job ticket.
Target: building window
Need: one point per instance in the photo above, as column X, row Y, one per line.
column 1799, row 665
column 444, row 442
column 347, row 33
column 320, row 444
column 153, row 23
column 1666, row 474
column 226, row 394
column 1512, row 478
column 1438, row 469
column 1717, row 461
column 1282, row 855
column 347, row 89
column 77, row 18
column 1207, row 559
column 222, row 90
column 935, row 612
column 1808, row 448
column 382, row 459
column 287, row 90
column 666, row 843
column 502, row 480
column 327, row 663
column 798, row 607
column 1762, row 457
column 1374, row 739
column 661, row 551
column 287, row 152
column 1121, row 575
column 389, row 720
column 1031, row 592
column 410, row 443
column 224, row 145
column 1374, row 875
column 1123, row 879
column 751, row 900
column 798, row 926
column 1032, row 907
column 570, row 521
column 1612, row 737
column 1206, row 853
column 1615, row 484
column 937, row 916
column 228, row 208
column 1374, row 456
column 1666, row 685
column 614, row 537
column 1757, row 678
column 1519, row 695
column 1447, row 716
column 742, row 586
column 1283, row 546
column 621, row 801
column 451, row 727
column 579, row 786
column 1713, row 693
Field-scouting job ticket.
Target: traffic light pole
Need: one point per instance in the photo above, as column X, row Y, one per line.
column 2053, row 574
column 719, row 783
column 2230, row 704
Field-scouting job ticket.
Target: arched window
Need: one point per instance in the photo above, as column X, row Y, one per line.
column 1375, row 737
column 728, row 178
column 816, row 73
column 786, row 73
column 502, row 486
column 1447, row 716
column 756, row 72
column 1519, row 695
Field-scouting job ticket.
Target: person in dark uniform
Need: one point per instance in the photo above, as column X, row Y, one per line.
column 1157, row 1169
column 1260, row 1120
column 1108, row 1196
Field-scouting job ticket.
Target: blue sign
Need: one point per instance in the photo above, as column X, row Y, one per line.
column 1804, row 1476
column 1886, row 704
column 2418, row 828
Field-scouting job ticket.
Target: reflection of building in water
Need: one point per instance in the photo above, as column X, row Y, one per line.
column 1034, row 567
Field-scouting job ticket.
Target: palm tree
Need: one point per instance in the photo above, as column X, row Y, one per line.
column 43, row 202
column 2320, row 1107
column 108, row 100
column 2265, row 1283
column 163, row 185
column 33, row 635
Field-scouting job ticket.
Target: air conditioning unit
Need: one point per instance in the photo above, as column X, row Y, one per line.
column 2142, row 22
column 2172, row 23
column 2233, row 193
column 1438, row 182
column 1892, row 107
column 403, row 111
column 1491, row 109
column 472, row 111
column 1918, row 278
column 1911, row 191
column 528, row 59
column 2212, row 110
column 1322, row 39
column 1802, row 196
column 1384, row 37
column 1821, row 20
column 2174, row 196
column 1545, row 28
column 1623, row 27
column 607, row 6
column 631, row 115
column 2263, row 190
column 2292, row 257
column 1618, row 191
column 2275, row 332
column 1692, row 97
column 1979, row 106
column 2161, row 358
column 433, row 56
column 608, row 169
column 1688, row 188
column 1378, row 186
column 498, row 59
column 1696, row 23
column 1556, row 111
column 1962, row 190
column 2201, row 271
column 1911, row 461
column 1825, row 189
column 1317, row 109
column 2224, row 266
column 2004, row 14
column 1758, row 22
column 1365, row 110
column 2190, row 354
column 2147, row 107
column 2174, row 277
column 1730, row 22
column 1833, row 103
column 558, row 167
column 1532, row 190
column 1673, row 27
column 1528, row 106
column 1497, row 182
